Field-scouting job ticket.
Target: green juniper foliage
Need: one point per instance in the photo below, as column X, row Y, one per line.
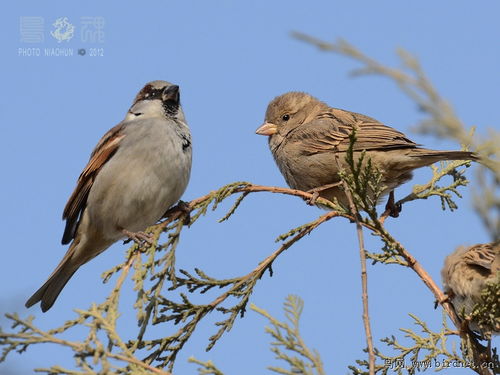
column 288, row 345
column 487, row 311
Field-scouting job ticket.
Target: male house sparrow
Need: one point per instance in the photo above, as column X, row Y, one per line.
column 466, row 273
column 305, row 135
column 137, row 171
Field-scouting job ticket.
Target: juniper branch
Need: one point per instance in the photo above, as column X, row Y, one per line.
column 287, row 337
column 427, row 349
column 98, row 318
column 207, row 368
column 354, row 182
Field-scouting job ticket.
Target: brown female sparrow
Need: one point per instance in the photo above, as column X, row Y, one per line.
column 305, row 135
column 466, row 273
column 137, row 171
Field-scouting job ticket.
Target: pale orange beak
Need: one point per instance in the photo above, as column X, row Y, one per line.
column 267, row 129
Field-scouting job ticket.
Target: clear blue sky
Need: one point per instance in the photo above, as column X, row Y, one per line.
column 230, row 59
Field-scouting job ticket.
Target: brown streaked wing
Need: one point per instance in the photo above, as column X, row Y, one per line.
column 331, row 132
column 481, row 255
column 105, row 148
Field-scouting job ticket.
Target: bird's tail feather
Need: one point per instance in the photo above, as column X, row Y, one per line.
column 428, row 157
column 49, row 291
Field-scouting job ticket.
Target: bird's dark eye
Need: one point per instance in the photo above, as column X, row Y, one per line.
column 285, row 117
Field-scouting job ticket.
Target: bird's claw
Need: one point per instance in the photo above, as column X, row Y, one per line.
column 396, row 209
column 447, row 298
column 184, row 208
column 312, row 201
column 392, row 208
column 138, row 237
column 315, row 192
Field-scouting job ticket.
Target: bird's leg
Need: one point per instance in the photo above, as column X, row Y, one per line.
column 447, row 298
column 186, row 211
column 315, row 192
column 312, row 201
column 392, row 208
column 184, row 208
column 138, row 237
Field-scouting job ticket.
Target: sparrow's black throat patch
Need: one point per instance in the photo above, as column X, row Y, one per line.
column 171, row 107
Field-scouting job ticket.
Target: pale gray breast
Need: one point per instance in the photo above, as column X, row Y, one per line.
column 148, row 174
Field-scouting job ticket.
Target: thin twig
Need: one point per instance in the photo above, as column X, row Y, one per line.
column 138, row 362
column 364, row 274
column 251, row 188
column 364, row 286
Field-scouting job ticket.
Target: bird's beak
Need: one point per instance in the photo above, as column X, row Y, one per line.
column 267, row 129
column 171, row 93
